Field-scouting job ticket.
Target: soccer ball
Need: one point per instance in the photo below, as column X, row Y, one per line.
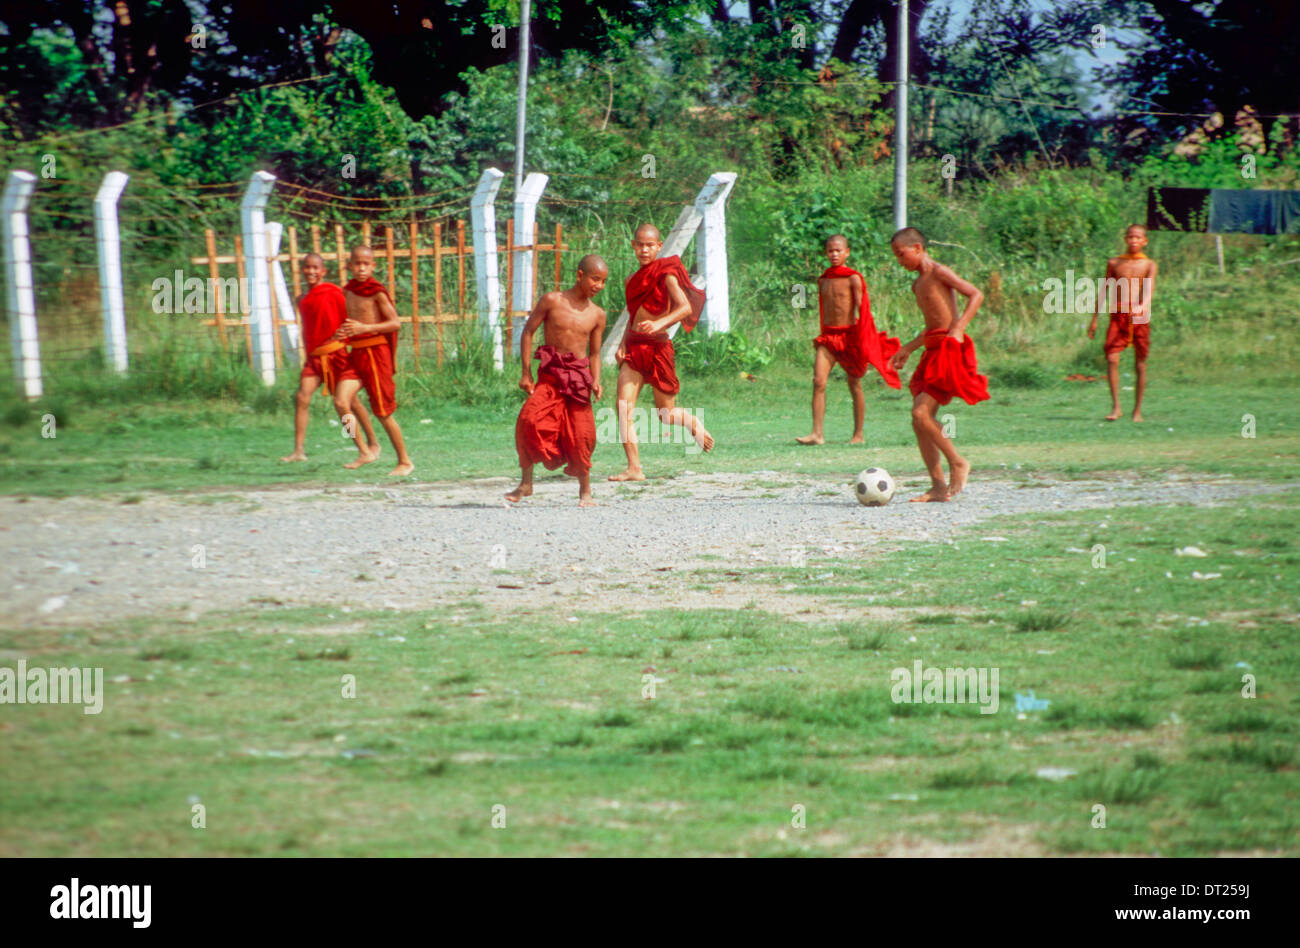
column 874, row 487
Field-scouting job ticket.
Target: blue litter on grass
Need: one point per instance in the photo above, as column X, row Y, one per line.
column 1030, row 703
column 1242, row 665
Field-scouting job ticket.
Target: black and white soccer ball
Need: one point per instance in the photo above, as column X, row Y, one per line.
column 874, row 487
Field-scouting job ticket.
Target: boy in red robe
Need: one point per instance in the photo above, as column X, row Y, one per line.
column 371, row 334
column 659, row 295
column 1133, row 275
column 948, row 367
column 556, row 425
column 323, row 310
column 849, row 337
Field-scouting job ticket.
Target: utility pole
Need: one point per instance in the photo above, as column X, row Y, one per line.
column 522, row 115
column 900, row 122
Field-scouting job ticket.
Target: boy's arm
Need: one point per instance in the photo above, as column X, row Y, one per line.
column 389, row 323
column 1148, row 291
column 973, row 300
column 899, row 358
column 535, row 319
column 680, row 309
column 1101, row 297
column 593, row 353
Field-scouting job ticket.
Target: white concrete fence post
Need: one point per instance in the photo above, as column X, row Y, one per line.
column 108, row 244
column 711, row 250
column 675, row 244
column 482, row 209
column 20, row 289
column 525, row 221
column 283, row 301
column 252, row 215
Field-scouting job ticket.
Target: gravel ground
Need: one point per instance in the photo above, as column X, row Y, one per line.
column 84, row 561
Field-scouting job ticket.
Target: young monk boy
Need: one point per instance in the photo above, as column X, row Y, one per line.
column 849, row 337
column 948, row 366
column 659, row 295
column 556, row 425
column 371, row 334
column 323, row 311
column 1131, row 321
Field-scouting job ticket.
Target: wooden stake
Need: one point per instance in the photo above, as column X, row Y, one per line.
column 248, row 323
column 210, row 238
column 415, row 285
column 437, row 285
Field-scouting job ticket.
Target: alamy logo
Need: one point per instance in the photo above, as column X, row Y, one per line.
column 919, row 685
column 53, row 686
column 103, row 901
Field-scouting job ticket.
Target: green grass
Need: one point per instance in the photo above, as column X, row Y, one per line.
column 224, row 447
column 546, row 717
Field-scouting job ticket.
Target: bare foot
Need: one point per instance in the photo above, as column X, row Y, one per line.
column 406, row 467
column 703, row 438
column 1137, row 416
column 938, row 494
column 519, row 493
column 1114, row 416
column 628, row 475
column 296, row 456
column 957, row 475
column 360, row 460
column 857, row 439
column 810, row 439
column 584, row 500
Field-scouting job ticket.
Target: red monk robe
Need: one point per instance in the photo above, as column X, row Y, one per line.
column 948, row 369
column 860, row 345
column 654, row 358
column 556, row 425
column 374, row 358
column 323, row 310
column 1124, row 330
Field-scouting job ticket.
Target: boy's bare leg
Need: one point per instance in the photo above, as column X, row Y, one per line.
column 1141, row 385
column 928, row 430
column 859, row 409
column 363, row 422
column 823, row 362
column 669, row 414
column 584, row 490
column 404, row 464
column 345, row 397
column 1112, row 376
column 301, row 410
column 629, row 387
column 525, row 488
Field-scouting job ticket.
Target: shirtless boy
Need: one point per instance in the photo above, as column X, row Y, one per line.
column 1131, row 320
column 323, row 311
column 659, row 295
column 370, row 331
column 556, row 425
column 948, row 366
column 849, row 337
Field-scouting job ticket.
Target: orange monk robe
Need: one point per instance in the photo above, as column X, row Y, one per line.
column 862, row 344
column 948, row 370
column 654, row 358
column 556, row 425
column 323, row 310
column 374, row 357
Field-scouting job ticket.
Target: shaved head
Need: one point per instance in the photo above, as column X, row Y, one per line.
column 593, row 264
column 837, row 239
column 908, row 236
column 362, row 249
column 1137, row 227
column 649, row 232
column 308, row 258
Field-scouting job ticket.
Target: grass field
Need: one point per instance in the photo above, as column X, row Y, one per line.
column 459, row 711
column 759, row 721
